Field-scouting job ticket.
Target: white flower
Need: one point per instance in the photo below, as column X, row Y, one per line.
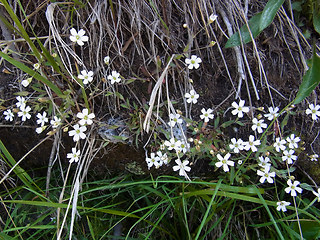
column 182, row 167
column 293, row 188
column 184, row 146
column 258, row 125
column 163, row 158
column 282, row 206
column 192, row 97
column 266, row 175
column 78, row 37
column 21, row 102
column 153, row 161
column 55, row 122
column 36, row 66
column 314, row 111
column 8, row 115
column 236, row 145
column 314, row 157
column 224, row 162
column 293, row 141
column 273, row 113
column 251, row 144
column 42, row 118
column 40, row 129
column 279, row 145
column 106, row 60
column 317, row 194
column 114, row 77
column 85, row 117
column 193, row 62
column 174, row 118
column 288, row 156
column 206, row 114
column 78, row 132
column 239, row 108
column 173, row 144
column 26, row 82
column 74, row 156
column 24, row 113
column 264, row 162
column 212, row 18
column 85, row 76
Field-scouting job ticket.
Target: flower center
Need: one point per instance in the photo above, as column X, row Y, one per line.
column 77, row 37
column 224, row 161
column 193, row 61
column 78, row 131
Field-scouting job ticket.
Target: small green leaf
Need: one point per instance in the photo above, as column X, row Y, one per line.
column 269, row 12
column 256, row 24
column 310, row 80
column 235, row 39
column 316, row 18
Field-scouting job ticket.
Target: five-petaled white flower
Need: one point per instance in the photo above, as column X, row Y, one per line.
column 153, row 161
column 251, row 144
column 314, row 157
column 279, row 145
column 317, row 194
column 236, row 145
column 174, row 118
column 293, row 188
column 74, row 155
column 206, row 114
column 26, row 82
column 8, row 115
column 55, row 122
column 293, row 141
column 239, row 108
column 258, row 125
column 42, row 118
column 21, row 102
column 40, row 129
column 289, row 156
column 192, row 97
column 273, row 113
column 24, row 113
column 173, row 144
column 106, row 60
column 264, row 162
column 163, row 158
column 282, row 206
column 184, row 146
column 314, row 111
column 224, row 162
column 266, row 175
column 114, row 77
column 86, row 118
column 182, row 167
column 193, row 62
column 78, row 37
column 85, row 76
column 78, row 132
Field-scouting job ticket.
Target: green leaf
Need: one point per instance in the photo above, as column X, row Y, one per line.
column 316, row 18
column 310, row 80
column 257, row 24
column 235, row 39
column 269, row 12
